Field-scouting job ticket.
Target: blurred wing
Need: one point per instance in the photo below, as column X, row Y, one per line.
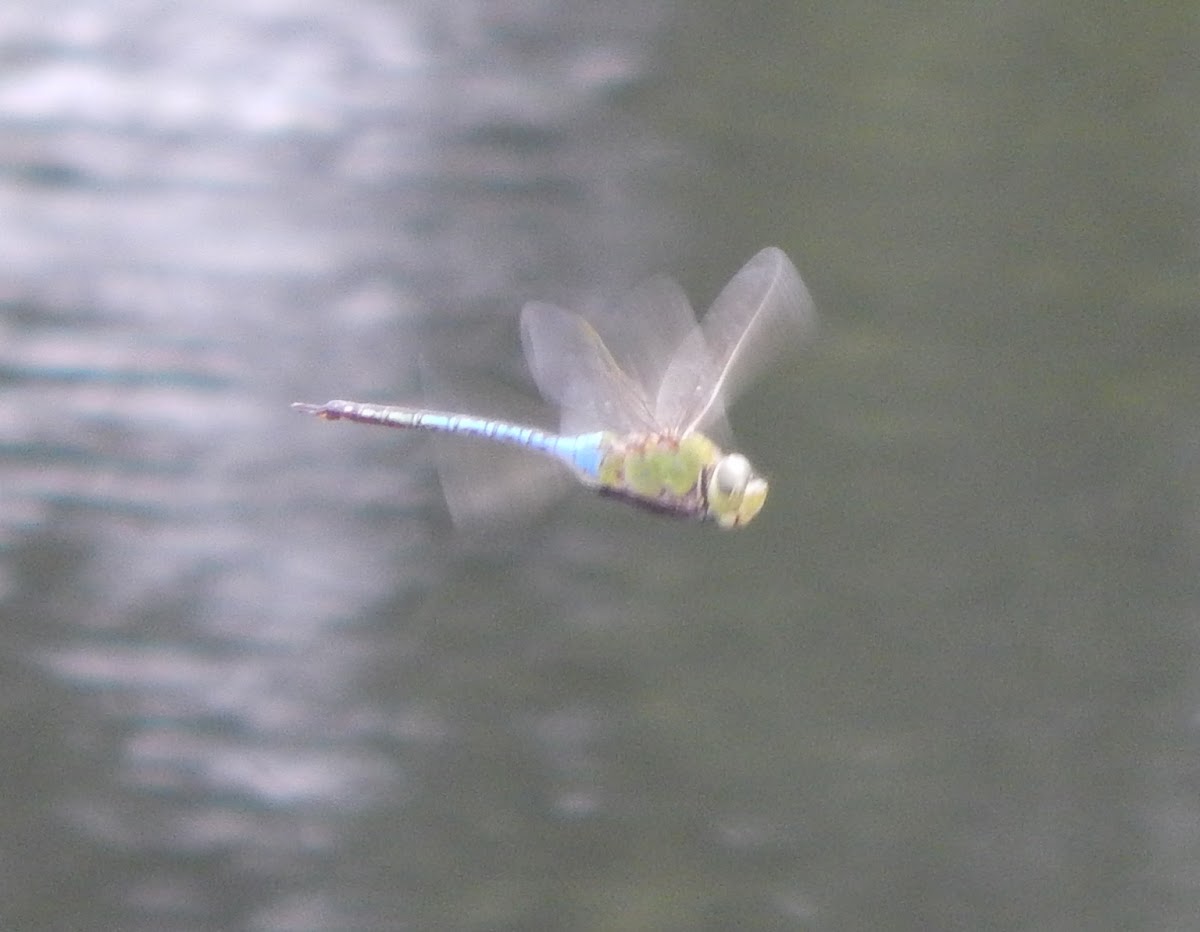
column 572, row 367
column 763, row 309
column 646, row 327
column 493, row 486
column 489, row 485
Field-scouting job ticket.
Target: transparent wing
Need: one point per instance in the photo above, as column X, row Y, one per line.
column 488, row 485
column 645, row 327
column 763, row 309
column 572, row 367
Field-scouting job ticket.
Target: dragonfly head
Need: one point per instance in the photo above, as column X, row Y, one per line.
column 735, row 492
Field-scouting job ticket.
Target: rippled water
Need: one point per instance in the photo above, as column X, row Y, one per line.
column 207, row 213
column 255, row 679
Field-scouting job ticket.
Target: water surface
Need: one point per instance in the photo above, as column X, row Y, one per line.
column 256, row 679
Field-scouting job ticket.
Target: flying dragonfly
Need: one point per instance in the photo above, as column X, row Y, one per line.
column 643, row 430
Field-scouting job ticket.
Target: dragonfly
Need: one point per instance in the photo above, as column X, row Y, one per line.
column 645, row 428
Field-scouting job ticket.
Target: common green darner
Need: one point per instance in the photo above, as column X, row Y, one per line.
column 641, row 429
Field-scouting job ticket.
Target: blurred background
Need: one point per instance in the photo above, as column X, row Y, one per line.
column 252, row 676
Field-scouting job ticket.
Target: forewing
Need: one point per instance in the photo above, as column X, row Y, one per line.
column 645, row 328
column 764, row 309
column 573, row 368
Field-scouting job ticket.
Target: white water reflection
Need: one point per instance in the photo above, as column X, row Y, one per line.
column 947, row 679
column 208, row 211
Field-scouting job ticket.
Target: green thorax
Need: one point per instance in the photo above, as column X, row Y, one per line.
column 659, row 471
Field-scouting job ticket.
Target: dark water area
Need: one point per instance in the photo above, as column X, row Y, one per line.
column 255, row 678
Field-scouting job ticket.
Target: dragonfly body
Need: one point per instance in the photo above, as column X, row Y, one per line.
column 658, row 472
column 582, row 453
column 645, row 437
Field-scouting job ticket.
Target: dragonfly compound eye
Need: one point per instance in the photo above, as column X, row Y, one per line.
column 730, row 477
column 735, row 492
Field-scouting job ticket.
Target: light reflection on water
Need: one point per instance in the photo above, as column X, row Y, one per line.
column 252, row 679
column 198, row 232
